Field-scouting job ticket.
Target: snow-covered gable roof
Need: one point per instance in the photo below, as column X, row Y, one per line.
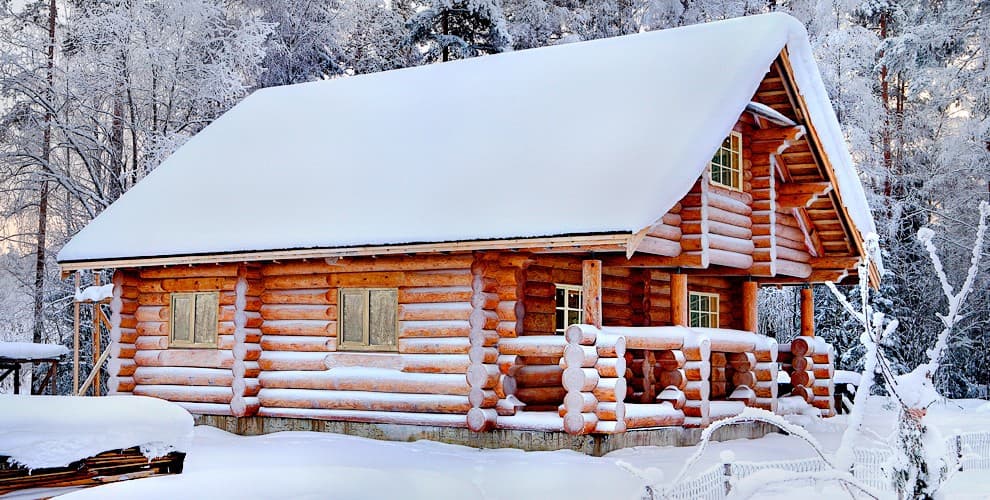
column 593, row 137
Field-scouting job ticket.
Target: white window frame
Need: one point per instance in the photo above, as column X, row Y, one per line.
column 711, row 313
column 565, row 308
column 735, row 173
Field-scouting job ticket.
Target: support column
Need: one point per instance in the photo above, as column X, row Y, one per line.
column 679, row 300
column 75, row 342
column 750, row 297
column 591, row 273
column 807, row 312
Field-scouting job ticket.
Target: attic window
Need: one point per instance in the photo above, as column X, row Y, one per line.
column 727, row 163
column 194, row 319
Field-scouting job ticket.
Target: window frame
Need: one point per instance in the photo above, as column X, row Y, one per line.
column 182, row 344
column 365, row 345
column 734, row 154
column 567, row 290
column 712, row 313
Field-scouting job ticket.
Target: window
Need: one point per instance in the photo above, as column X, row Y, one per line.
column 570, row 307
column 194, row 319
column 703, row 309
column 368, row 318
column 727, row 163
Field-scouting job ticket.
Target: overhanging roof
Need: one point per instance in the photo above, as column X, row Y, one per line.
column 587, row 138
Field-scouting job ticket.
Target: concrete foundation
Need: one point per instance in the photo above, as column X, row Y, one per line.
column 595, row 445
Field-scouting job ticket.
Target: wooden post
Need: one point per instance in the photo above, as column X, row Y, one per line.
column 75, row 344
column 679, row 300
column 97, row 329
column 807, row 312
column 750, row 297
column 591, row 273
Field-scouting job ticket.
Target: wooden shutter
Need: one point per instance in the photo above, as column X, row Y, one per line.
column 194, row 319
column 183, row 318
column 207, row 306
column 382, row 317
column 353, row 307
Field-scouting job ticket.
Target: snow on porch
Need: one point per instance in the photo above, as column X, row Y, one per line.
column 334, row 163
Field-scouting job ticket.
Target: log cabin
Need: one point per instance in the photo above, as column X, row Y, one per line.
column 570, row 238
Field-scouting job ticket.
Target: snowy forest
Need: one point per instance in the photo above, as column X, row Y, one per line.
column 94, row 94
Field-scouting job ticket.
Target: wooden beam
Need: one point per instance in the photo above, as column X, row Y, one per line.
column 75, row 343
column 807, row 312
column 97, row 329
column 591, row 274
column 750, row 293
column 578, row 242
column 679, row 299
column 691, row 260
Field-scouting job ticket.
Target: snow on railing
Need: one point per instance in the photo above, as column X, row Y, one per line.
column 871, row 467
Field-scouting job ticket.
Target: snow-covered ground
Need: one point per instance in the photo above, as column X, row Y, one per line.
column 319, row 465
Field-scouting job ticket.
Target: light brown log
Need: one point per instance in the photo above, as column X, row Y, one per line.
column 192, row 394
column 482, row 419
column 298, row 311
column 611, row 367
column 750, row 306
column 673, row 378
column 697, row 391
column 591, row 289
column 285, row 360
column 204, row 358
column 803, row 378
column 807, row 313
column 541, row 395
column 800, row 364
column 434, row 363
column 611, row 411
column 298, row 343
column 642, row 416
column 741, row 361
column 453, row 345
column 374, row 380
column 314, row 297
column 152, row 313
column 148, row 375
column 304, row 327
column 577, row 379
column 826, row 371
column 746, row 378
column 697, row 370
column 217, row 270
column 361, row 400
column 534, row 345
column 669, row 360
column 610, row 389
column 610, row 346
column 678, row 299
column 539, row 376
column 581, row 334
column 579, row 402
column 580, row 423
column 674, row 396
column 659, row 246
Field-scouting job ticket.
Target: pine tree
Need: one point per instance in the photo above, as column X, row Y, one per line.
column 458, row 29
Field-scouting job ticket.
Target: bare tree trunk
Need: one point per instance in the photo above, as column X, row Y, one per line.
column 39, row 269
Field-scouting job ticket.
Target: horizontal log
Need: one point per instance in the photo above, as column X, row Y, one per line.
column 298, row 343
column 659, row 246
column 363, row 400
column 304, row 327
column 577, row 379
column 580, row 423
column 171, row 375
column 578, row 402
column 203, row 358
column 541, row 395
column 610, row 367
column 610, row 389
column 204, row 271
column 539, row 375
column 435, row 311
column 298, row 311
column 534, row 345
column 304, row 296
column 378, row 417
column 674, row 396
column 452, row 345
column 192, row 394
column 287, row 360
column 653, row 415
column 368, row 379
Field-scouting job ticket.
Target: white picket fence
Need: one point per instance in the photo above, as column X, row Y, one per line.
column 872, row 468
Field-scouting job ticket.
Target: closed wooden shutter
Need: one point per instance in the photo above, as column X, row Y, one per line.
column 368, row 318
column 194, row 319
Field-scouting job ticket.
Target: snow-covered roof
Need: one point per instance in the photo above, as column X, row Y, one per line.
column 586, row 138
column 30, row 350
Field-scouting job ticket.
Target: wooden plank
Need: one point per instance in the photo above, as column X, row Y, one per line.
column 591, row 273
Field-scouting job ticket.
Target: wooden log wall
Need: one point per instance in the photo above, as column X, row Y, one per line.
column 656, row 298
column 123, row 334
column 247, row 339
column 442, row 370
column 198, row 379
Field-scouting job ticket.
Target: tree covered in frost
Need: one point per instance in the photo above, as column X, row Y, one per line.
column 457, row 29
